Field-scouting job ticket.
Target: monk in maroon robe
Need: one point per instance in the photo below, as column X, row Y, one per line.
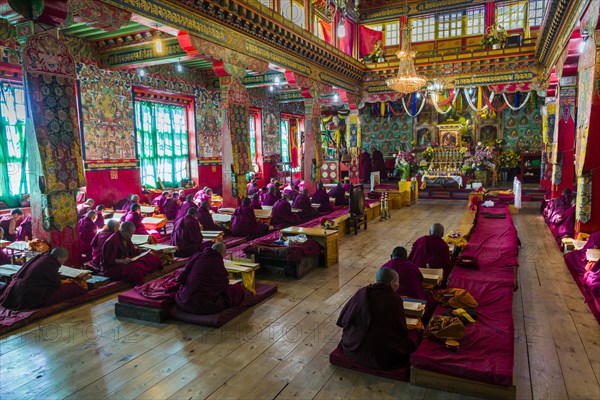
column 100, row 216
column 346, row 185
column 339, row 194
column 366, row 166
column 133, row 199
column 4, row 258
column 25, row 230
column 559, row 205
column 244, row 223
column 10, row 222
column 270, row 198
column 271, row 183
column 578, row 258
column 294, row 193
column 84, row 208
column 187, row 235
column 160, row 201
column 302, row 202
column 117, row 253
column 205, row 285
column 206, row 220
column 111, row 227
column 205, row 195
column 379, row 163
column 321, row 197
column 263, row 193
column 135, row 217
column 431, row 251
column 38, row 283
column 411, row 278
column 253, row 188
column 121, row 203
column 256, row 202
column 172, row 206
column 187, row 204
column 282, row 213
column 87, row 231
column 375, row 334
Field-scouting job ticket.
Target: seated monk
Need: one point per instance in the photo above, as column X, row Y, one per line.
column 121, row 203
column 10, row 222
column 172, row 206
column 206, row 220
column 135, row 217
column 339, row 194
column 111, row 227
column 302, row 202
column 375, row 334
column 294, row 193
column 4, row 258
column 263, row 193
column 578, row 258
column 160, row 201
column 271, row 183
column 83, row 208
column 133, row 199
column 411, row 278
column 25, row 230
column 282, row 213
column 346, row 185
column 205, row 285
column 244, row 223
column 278, row 190
column 256, row 202
column 38, row 283
column 559, row 205
column 253, row 188
column 100, row 216
column 206, row 195
column 187, row 234
column 321, row 197
column 87, row 231
column 117, row 252
column 187, row 204
column 431, row 251
column 270, row 198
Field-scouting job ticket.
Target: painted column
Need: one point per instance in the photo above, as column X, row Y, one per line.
column 564, row 135
column 313, row 151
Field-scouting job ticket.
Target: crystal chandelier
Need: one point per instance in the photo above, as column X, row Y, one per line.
column 407, row 80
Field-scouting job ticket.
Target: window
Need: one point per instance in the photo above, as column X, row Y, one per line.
column 422, row 29
column 285, row 141
column 450, row 25
column 511, row 16
column 318, row 30
column 266, row 3
column 13, row 153
column 392, row 34
column 291, row 132
column 162, row 143
column 254, row 124
column 294, row 11
column 536, row 12
column 475, row 21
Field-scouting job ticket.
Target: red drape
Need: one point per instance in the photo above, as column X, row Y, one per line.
column 294, row 142
column 326, row 26
column 490, row 11
column 368, row 38
column 347, row 41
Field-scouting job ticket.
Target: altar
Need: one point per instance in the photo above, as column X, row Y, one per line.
column 446, row 162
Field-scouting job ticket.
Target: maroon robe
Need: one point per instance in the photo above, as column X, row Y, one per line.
column 321, row 197
column 366, row 166
column 252, row 190
column 244, row 223
column 5, row 221
column 125, row 206
column 269, row 199
column 578, row 258
column 379, row 164
column 205, row 285
column 432, row 250
column 410, row 278
column 24, row 230
column 37, row 284
column 293, row 194
column 87, row 232
column 4, row 258
column 558, row 206
column 114, row 248
column 135, row 219
column 121, row 204
column 82, row 210
column 99, row 220
column 302, row 202
column 207, row 222
column 183, row 209
column 282, row 214
column 374, row 329
column 171, row 207
column 339, row 194
column 160, row 202
column 563, row 224
column 255, row 204
column 97, row 244
column 187, row 236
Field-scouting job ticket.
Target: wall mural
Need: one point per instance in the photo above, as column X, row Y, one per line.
column 523, row 129
column 388, row 133
column 208, row 124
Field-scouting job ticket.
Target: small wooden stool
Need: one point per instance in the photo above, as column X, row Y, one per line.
column 355, row 221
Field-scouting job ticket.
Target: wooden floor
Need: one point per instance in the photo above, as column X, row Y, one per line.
column 279, row 349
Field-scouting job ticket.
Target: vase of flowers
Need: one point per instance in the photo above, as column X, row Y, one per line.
column 508, row 163
column 495, row 37
column 481, row 162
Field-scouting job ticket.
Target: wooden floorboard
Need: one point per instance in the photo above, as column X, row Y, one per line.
column 280, row 348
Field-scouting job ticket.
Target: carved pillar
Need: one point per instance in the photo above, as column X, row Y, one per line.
column 313, row 149
column 352, row 134
column 57, row 173
column 564, row 151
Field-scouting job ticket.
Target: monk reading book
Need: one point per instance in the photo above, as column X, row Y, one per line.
column 187, row 234
column 10, row 222
column 244, row 223
column 111, row 227
column 321, row 197
column 339, row 194
column 87, row 231
column 187, row 204
column 432, row 251
column 410, row 277
column 302, row 202
column 205, row 218
column 135, row 217
column 282, row 213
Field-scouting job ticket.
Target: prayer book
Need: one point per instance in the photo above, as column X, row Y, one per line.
column 118, row 216
column 147, row 209
column 152, row 220
column 593, row 255
column 9, row 269
column 432, row 276
column 165, row 248
column 226, row 210
column 4, row 243
column 74, row 273
column 413, row 307
column 412, row 321
column 234, row 281
column 221, row 217
column 20, row 246
column 578, row 244
column 140, row 256
column 139, row 239
column 97, row 281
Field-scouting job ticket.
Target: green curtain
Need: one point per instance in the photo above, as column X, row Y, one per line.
column 162, row 143
column 13, row 154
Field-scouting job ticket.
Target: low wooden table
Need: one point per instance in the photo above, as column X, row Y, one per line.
column 246, row 270
column 215, row 236
column 327, row 239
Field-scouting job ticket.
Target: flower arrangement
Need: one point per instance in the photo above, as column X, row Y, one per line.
column 509, row 160
column 428, row 154
column 481, row 159
column 495, row 34
column 406, row 164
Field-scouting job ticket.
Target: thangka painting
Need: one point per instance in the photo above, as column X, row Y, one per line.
column 389, row 134
column 107, row 115
column 523, row 129
column 208, row 124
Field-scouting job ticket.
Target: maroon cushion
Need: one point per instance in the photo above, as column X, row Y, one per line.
column 133, row 297
column 338, row 358
column 263, row 291
column 232, row 241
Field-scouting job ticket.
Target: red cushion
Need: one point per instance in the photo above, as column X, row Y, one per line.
column 263, row 291
column 338, row 358
column 133, row 297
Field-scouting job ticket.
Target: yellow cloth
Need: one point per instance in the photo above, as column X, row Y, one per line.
column 248, row 282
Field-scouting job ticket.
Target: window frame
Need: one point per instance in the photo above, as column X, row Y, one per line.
column 510, row 5
column 299, row 4
column 535, row 7
column 432, row 22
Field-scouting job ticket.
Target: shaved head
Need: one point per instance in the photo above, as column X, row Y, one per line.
column 204, row 205
column 60, row 253
column 91, row 214
column 386, row 276
column 220, row 248
column 437, row 229
column 193, row 211
column 127, row 227
column 112, row 224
